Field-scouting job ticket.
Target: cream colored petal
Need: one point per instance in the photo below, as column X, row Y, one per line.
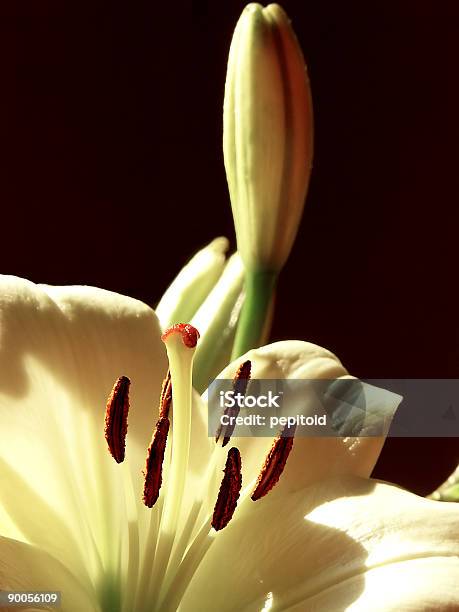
column 312, row 458
column 416, row 585
column 345, row 543
column 193, row 284
column 110, row 335
column 61, row 349
column 26, row 568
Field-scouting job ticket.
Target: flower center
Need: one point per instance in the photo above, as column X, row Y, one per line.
column 180, row 531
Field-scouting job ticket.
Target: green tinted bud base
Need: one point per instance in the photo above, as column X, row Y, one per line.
column 259, row 288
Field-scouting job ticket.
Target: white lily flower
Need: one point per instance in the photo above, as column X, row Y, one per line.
column 73, row 520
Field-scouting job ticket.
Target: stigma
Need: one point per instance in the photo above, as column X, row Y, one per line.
column 189, row 334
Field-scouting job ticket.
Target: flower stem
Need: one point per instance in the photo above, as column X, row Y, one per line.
column 449, row 490
column 259, row 288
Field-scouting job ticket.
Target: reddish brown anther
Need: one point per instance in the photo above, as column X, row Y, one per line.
column 166, row 396
column 229, row 490
column 154, row 463
column 274, row 463
column 116, row 416
column 240, row 382
column 242, row 377
column 190, row 334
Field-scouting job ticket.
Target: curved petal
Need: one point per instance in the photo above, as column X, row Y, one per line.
column 345, row 543
column 109, row 334
column 416, row 585
column 312, row 458
column 26, row 568
column 61, row 349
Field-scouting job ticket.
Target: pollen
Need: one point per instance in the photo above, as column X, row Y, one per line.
column 229, row 490
column 116, row 417
column 155, row 454
column 190, row 334
column 154, row 463
column 242, row 377
column 166, row 396
column 274, row 463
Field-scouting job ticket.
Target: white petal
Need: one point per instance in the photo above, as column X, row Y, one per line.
column 109, row 335
column 343, row 542
column 61, row 349
column 26, row 568
column 312, row 458
column 193, row 284
column 417, row 585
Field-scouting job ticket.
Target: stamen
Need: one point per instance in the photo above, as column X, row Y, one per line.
column 242, row 377
column 274, row 463
column 155, row 454
column 166, row 396
column 229, row 490
column 154, row 463
column 190, row 334
column 240, row 383
column 116, row 416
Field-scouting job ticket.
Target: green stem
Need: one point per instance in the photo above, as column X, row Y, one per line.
column 259, row 287
column 449, row 490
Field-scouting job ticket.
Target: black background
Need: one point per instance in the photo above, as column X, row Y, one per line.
column 112, row 172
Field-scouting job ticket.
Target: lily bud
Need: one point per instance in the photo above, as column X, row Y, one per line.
column 193, row 284
column 267, row 136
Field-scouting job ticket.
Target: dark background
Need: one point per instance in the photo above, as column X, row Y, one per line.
column 112, row 172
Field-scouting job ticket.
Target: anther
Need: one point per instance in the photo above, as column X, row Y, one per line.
column 154, row 463
column 274, row 463
column 190, row 334
column 116, row 416
column 242, row 377
column 229, row 490
column 240, row 382
column 155, row 454
column 166, row 396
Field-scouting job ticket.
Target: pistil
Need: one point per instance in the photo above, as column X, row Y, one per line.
column 180, row 341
